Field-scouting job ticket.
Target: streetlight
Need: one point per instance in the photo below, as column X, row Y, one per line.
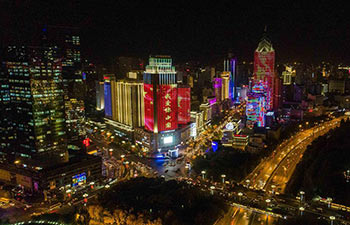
column 203, row 174
column 68, row 193
column 247, row 181
column 92, row 185
column 273, row 188
column 329, row 200
column 332, row 218
column 302, row 193
column 212, row 188
column 240, row 194
column 268, row 201
column 302, row 209
column 85, row 197
column 223, row 178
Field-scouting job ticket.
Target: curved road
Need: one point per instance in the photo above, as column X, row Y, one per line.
column 273, row 173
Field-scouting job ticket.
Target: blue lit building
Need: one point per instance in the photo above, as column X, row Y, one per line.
column 230, row 66
column 108, row 99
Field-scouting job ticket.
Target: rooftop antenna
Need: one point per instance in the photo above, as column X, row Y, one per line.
column 264, row 36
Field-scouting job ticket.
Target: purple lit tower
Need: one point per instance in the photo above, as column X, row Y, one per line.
column 261, row 98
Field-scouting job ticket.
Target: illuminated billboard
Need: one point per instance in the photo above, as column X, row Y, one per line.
column 184, row 105
column 168, row 140
column 255, row 110
column 149, row 107
column 79, row 179
column 167, row 107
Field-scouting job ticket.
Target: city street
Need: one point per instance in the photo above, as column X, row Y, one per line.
column 273, row 173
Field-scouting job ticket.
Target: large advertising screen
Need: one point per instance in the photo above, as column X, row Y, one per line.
column 168, row 140
column 167, row 107
column 184, row 105
column 149, row 107
column 79, row 179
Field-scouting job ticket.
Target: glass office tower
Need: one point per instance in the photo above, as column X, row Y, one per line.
column 37, row 115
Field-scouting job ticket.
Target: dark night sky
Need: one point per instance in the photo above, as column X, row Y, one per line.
column 192, row 29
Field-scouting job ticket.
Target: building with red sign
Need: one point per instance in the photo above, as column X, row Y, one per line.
column 166, row 106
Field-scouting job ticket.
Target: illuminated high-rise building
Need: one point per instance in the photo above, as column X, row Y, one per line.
column 67, row 41
column 166, row 106
column 255, row 110
column 264, row 69
column 124, row 104
column 6, row 128
column 37, row 117
column 262, row 96
column 129, row 103
column 110, row 96
column 230, row 66
column 226, row 88
column 287, row 75
column 160, row 88
column 34, row 102
column 100, row 97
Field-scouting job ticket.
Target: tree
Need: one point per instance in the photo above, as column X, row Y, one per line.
column 131, row 219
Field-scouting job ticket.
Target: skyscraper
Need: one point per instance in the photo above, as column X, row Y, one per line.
column 109, row 96
column 262, row 96
column 6, row 128
column 100, row 97
column 33, row 130
column 167, row 107
column 230, row 66
column 37, row 116
column 160, row 89
column 287, row 75
column 226, row 89
column 264, row 69
column 129, row 103
column 124, row 104
column 67, row 40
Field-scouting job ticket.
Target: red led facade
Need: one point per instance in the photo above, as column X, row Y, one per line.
column 184, row 105
column 167, row 107
column 264, row 73
column 149, row 108
column 264, row 64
